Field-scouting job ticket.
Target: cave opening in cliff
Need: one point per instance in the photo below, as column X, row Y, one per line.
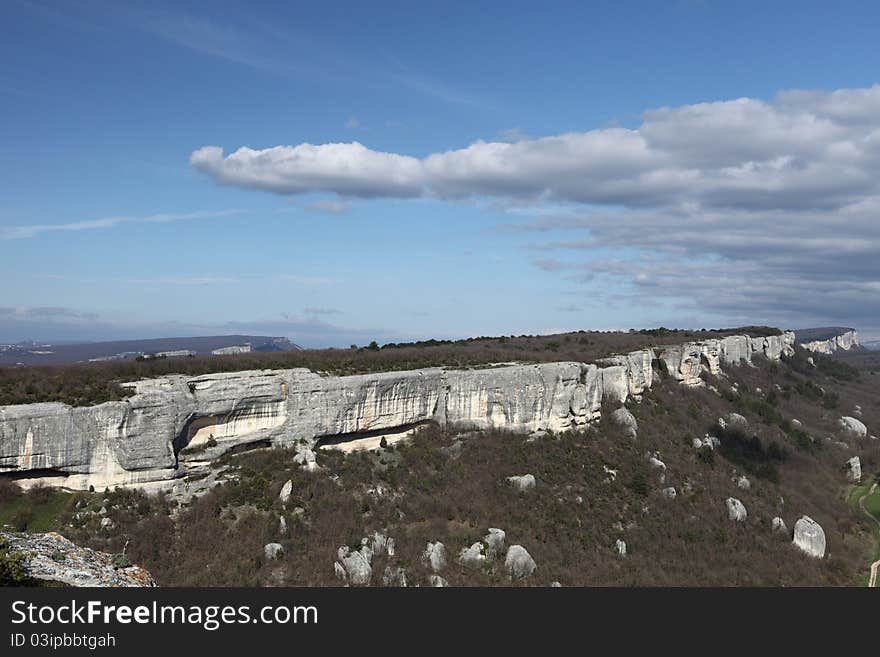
column 357, row 441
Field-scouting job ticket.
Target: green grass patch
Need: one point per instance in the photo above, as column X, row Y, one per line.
column 35, row 513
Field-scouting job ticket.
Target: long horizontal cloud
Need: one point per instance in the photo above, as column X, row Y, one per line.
column 742, row 210
column 801, row 150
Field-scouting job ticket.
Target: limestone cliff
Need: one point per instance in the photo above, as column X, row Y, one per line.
column 175, row 423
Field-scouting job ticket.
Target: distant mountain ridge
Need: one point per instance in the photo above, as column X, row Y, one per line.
column 49, row 354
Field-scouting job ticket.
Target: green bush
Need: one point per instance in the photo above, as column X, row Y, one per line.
column 12, row 571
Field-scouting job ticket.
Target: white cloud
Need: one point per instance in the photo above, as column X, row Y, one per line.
column 24, row 232
column 801, row 150
column 328, row 206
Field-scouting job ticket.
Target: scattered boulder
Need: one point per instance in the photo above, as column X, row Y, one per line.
column 697, row 443
column 472, row 556
column 656, row 463
column 712, row 442
column 797, row 424
column 669, row 493
column 854, row 469
column 273, row 550
column 733, row 421
column 286, row 490
column 612, row 473
column 620, row 546
column 853, row 426
column 437, row 582
column 305, row 457
column 107, row 523
column 809, row 537
column 394, row 576
column 519, row 563
column 555, row 585
column 354, row 566
column 380, row 544
column 282, row 526
column 627, row 420
column 736, row 510
column 435, row 556
column 778, row 525
column 452, row 451
column 103, row 511
column 522, row 482
column 857, row 410
column 494, row 541
column 743, row 483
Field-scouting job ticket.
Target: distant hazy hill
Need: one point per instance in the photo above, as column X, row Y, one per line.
column 48, row 354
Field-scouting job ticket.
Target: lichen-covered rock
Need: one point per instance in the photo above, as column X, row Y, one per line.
column 52, row 558
column 736, row 510
column 519, row 563
column 809, row 537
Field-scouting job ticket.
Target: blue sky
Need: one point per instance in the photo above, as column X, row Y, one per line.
column 500, row 168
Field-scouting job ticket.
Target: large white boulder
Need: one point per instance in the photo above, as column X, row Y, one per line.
column 473, row 556
column 736, row 510
column 273, row 550
column 733, row 421
column 853, row 426
column 519, row 562
column 286, row 490
column 809, row 537
column 778, row 525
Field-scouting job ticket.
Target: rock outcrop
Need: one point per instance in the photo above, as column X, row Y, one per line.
column 853, row 426
column 736, row 510
column 175, row 424
column 519, row 563
column 854, row 469
column 809, row 537
column 52, row 558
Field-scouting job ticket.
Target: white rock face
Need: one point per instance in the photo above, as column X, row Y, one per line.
column 853, row 426
column 809, row 537
column 615, row 383
column 519, row 563
column 174, row 424
column 627, row 420
column 854, row 469
column 522, row 483
column 736, row 510
column 435, row 556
